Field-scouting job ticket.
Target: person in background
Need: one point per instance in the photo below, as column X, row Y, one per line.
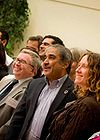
column 4, row 38
column 43, row 97
column 47, row 41
column 25, row 66
column 3, row 66
column 34, row 42
column 80, row 119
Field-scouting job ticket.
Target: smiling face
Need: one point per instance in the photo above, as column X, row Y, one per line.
column 82, row 73
column 45, row 43
column 53, row 67
column 22, row 66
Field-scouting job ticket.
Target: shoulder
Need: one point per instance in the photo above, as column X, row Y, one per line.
column 8, row 77
column 5, row 80
column 37, row 80
column 90, row 101
column 35, row 83
column 90, row 104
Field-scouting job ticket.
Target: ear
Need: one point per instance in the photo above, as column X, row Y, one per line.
column 74, row 64
column 34, row 71
column 65, row 65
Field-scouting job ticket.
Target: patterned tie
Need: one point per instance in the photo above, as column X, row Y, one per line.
column 7, row 88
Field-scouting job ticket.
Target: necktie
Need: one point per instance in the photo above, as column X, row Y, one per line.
column 7, row 88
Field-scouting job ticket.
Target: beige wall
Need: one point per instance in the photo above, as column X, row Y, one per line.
column 77, row 24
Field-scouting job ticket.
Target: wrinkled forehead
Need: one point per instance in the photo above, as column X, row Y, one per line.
column 52, row 51
column 24, row 56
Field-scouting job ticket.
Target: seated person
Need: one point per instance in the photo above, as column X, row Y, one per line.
column 25, row 66
column 81, row 118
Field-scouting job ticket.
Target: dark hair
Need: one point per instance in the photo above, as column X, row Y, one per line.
column 2, row 58
column 38, row 38
column 5, row 35
column 57, row 40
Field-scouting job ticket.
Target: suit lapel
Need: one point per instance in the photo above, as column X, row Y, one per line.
column 14, row 92
column 60, row 96
column 36, row 92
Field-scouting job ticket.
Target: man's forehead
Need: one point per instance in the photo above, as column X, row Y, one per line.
column 48, row 40
column 52, row 50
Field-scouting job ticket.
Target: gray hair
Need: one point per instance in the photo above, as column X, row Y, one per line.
column 65, row 55
column 36, row 61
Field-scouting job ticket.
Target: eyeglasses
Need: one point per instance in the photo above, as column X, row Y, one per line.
column 21, row 61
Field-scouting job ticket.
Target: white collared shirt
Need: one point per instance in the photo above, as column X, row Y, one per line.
column 9, row 60
column 45, row 100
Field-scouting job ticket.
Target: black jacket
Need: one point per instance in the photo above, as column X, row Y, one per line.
column 27, row 106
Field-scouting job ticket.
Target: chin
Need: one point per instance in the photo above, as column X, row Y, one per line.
column 77, row 82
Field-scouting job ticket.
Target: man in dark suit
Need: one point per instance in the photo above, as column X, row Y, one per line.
column 43, row 97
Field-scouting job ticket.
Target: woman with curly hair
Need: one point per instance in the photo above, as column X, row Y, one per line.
column 81, row 118
column 3, row 67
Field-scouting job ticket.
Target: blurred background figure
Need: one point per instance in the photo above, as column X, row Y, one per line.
column 34, row 42
column 4, row 38
column 47, row 41
column 3, row 66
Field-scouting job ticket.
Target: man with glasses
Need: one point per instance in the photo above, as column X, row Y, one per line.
column 25, row 66
column 47, row 41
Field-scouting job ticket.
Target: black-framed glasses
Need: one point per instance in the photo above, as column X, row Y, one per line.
column 21, row 61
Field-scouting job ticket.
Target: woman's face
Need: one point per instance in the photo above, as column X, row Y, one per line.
column 82, row 73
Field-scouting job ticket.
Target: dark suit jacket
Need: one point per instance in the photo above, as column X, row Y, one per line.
column 27, row 106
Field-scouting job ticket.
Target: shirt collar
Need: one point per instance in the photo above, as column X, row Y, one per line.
column 58, row 81
column 23, row 80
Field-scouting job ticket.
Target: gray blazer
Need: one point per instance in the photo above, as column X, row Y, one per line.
column 27, row 106
column 9, row 103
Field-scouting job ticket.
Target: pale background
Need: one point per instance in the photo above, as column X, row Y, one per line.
column 76, row 22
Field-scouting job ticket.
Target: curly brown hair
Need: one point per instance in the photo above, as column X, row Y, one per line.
column 94, row 76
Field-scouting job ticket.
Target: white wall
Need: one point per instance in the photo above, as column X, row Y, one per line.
column 77, row 25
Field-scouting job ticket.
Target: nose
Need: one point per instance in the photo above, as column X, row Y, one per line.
column 45, row 61
column 78, row 69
